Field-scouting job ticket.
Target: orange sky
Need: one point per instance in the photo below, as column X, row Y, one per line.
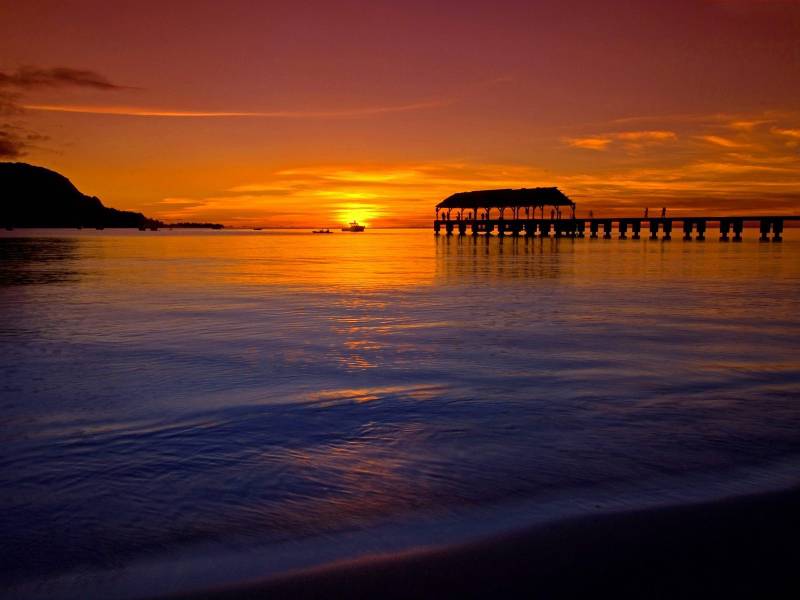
column 315, row 113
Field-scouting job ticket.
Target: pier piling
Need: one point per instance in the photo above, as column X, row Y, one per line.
column 700, row 224
column 738, row 227
column 724, row 228
column 653, row 229
column 693, row 227
column 777, row 230
column 765, row 226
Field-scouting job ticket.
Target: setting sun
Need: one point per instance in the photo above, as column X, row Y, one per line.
column 363, row 214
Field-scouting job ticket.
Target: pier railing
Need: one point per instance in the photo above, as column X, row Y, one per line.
column 730, row 228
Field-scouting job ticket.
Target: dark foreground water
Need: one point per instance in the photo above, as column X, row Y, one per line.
column 182, row 409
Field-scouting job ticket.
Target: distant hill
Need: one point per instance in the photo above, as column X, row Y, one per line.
column 33, row 196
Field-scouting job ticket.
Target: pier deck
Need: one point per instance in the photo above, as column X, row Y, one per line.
column 603, row 227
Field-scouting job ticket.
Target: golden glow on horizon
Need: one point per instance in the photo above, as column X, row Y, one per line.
column 363, row 214
column 697, row 165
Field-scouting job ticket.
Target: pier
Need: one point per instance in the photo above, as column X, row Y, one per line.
column 483, row 212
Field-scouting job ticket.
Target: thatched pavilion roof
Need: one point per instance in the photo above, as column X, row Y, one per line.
column 507, row 198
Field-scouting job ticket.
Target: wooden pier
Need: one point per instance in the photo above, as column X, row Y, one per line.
column 472, row 213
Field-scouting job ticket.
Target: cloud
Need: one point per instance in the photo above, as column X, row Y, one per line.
column 15, row 140
column 647, row 136
column 748, row 125
column 10, row 145
column 28, row 78
column 589, row 143
column 133, row 111
column 376, row 194
column 718, row 140
column 791, row 133
column 631, row 140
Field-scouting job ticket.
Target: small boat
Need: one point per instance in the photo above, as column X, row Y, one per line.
column 354, row 227
column 256, row 228
column 322, row 231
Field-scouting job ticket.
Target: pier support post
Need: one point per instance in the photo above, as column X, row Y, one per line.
column 637, row 228
column 449, row 227
column 687, row 230
column 777, row 229
column 738, row 227
column 653, row 229
column 474, row 228
column 436, row 227
column 701, row 230
column 623, row 228
column 667, row 230
column 489, row 227
column 607, row 230
column 462, row 228
column 765, row 227
column 580, row 228
column 544, row 229
column 724, row 228
column 593, row 229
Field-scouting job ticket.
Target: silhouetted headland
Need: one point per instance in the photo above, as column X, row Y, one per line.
column 38, row 197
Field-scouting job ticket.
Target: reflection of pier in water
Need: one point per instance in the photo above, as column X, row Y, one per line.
column 465, row 259
column 474, row 215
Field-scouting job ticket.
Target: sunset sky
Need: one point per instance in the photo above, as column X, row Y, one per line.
column 315, row 113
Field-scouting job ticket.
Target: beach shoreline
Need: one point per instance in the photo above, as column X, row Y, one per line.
column 743, row 546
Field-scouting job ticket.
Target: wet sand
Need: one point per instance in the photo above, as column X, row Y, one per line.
column 743, row 547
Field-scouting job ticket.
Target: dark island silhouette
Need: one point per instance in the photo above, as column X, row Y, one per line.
column 34, row 196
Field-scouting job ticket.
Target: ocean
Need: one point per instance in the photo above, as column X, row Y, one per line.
column 184, row 409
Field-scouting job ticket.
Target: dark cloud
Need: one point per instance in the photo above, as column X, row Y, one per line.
column 11, row 145
column 28, row 78
column 16, row 140
column 9, row 104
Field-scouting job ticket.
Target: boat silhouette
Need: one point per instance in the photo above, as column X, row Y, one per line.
column 354, row 227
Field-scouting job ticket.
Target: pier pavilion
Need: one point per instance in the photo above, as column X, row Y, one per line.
column 483, row 211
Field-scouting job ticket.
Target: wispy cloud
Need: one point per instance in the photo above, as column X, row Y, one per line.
column 631, row 140
column 29, row 77
column 133, row 111
column 10, row 146
column 15, row 140
column 793, row 136
column 718, row 140
column 589, row 143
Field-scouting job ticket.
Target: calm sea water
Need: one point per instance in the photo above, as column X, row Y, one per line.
column 190, row 408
